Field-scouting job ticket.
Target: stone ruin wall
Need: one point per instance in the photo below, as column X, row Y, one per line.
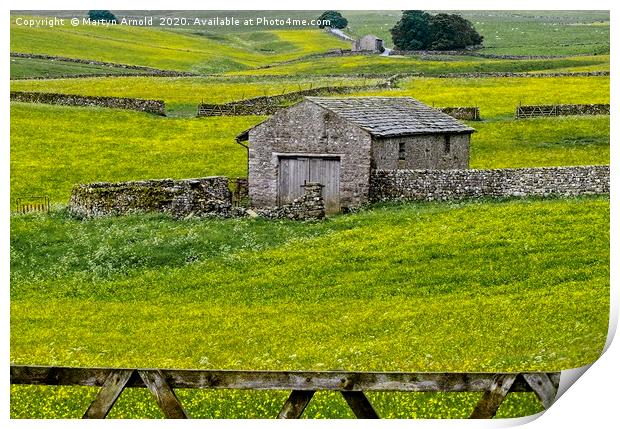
column 205, row 197
column 201, row 197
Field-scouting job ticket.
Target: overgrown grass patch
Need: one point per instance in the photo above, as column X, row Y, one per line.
column 71, row 402
column 517, row 285
column 541, row 142
column 54, row 147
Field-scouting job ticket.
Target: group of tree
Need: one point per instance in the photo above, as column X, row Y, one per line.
column 419, row 30
column 335, row 20
column 102, row 16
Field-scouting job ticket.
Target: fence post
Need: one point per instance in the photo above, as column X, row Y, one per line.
column 109, row 393
column 296, row 403
column 491, row 400
column 163, row 393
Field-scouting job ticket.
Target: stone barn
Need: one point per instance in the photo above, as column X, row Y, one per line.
column 368, row 43
column 338, row 141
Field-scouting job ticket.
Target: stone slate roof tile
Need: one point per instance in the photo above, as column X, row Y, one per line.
column 392, row 116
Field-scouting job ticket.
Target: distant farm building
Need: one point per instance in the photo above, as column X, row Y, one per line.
column 338, row 141
column 368, row 43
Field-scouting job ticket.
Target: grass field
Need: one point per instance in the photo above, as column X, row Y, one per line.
column 171, row 50
column 413, row 64
column 542, row 142
column 499, row 97
column 514, row 32
column 33, row 67
column 185, row 93
column 496, row 97
column 55, row 147
column 403, row 287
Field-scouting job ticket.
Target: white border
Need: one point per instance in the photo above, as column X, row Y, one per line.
column 591, row 401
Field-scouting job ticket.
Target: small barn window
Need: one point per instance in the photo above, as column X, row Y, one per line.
column 446, row 143
column 402, row 156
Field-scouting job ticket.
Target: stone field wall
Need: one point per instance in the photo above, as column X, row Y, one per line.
column 205, row 197
column 156, row 107
column 561, row 110
column 465, row 113
column 268, row 105
column 202, row 197
column 310, row 206
column 144, row 70
column 438, row 185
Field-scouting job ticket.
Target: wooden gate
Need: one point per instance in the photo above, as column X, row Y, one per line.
column 295, row 171
column 495, row 387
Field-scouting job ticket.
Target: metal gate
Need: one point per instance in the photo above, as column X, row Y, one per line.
column 295, row 171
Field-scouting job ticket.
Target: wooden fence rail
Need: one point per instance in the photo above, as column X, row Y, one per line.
column 302, row 384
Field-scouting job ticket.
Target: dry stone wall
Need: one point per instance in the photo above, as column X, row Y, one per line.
column 204, row 197
column 561, row 110
column 474, row 53
column 268, row 105
column 148, row 70
column 465, row 113
column 310, row 206
column 438, row 185
column 156, row 107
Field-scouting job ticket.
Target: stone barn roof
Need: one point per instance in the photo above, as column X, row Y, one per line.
column 392, row 116
column 388, row 116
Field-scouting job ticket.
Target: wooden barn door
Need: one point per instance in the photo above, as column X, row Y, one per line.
column 294, row 172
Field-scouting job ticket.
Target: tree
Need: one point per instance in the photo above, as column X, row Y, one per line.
column 102, row 15
column 411, row 32
column 452, row 32
column 336, row 20
column 418, row 30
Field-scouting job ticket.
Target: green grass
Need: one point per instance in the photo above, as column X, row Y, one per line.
column 71, row 402
column 499, row 97
column 479, row 286
column 34, row 67
column 184, row 93
column 414, row 64
column 167, row 49
column 53, row 147
column 542, row 142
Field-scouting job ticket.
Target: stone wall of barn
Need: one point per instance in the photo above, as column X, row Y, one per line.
column 308, row 129
column 433, row 151
column 207, row 196
column 368, row 43
column 438, row 185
